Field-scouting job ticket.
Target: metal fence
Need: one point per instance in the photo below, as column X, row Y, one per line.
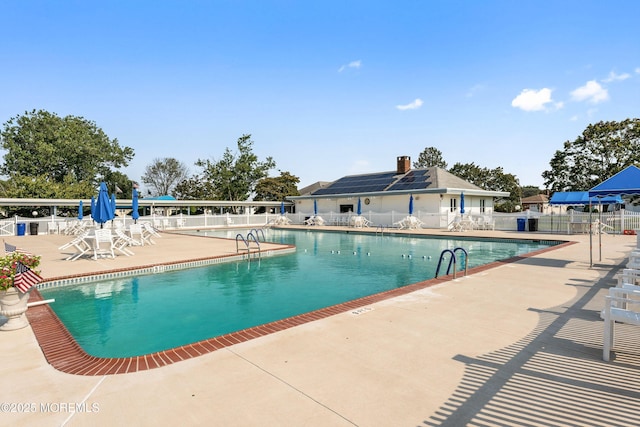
column 572, row 222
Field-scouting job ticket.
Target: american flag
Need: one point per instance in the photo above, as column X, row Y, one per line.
column 25, row 278
column 12, row 248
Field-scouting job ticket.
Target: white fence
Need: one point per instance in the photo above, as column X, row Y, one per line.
column 572, row 222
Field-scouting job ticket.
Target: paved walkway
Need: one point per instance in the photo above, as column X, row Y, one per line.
column 519, row 344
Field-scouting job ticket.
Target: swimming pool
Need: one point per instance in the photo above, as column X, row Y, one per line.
column 149, row 313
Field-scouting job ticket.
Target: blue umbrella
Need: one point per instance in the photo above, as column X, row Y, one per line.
column 134, row 207
column 315, row 207
column 282, row 208
column 103, row 211
column 113, row 204
column 93, row 205
column 359, row 207
column 411, row 205
column 80, row 213
column 461, row 203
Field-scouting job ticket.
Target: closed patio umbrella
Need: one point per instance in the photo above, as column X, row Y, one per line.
column 103, row 211
column 462, row 203
column 134, row 206
column 411, row 205
column 315, row 207
column 281, row 208
column 80, row 213
column 359, row 207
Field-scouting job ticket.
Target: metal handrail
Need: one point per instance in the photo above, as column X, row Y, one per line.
column 452, row 259
column 466, row 258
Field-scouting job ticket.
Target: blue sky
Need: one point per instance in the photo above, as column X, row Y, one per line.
column 327, row 88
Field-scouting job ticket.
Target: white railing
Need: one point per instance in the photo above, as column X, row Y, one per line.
column 613, row 222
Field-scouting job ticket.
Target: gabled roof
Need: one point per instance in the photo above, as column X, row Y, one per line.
column 385, row 182
column 309, row 189
column 538, row 198
column 626, row 181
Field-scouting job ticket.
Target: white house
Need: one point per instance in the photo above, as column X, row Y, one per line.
column 437, row 195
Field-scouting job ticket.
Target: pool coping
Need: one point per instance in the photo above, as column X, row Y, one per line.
column 63, row 353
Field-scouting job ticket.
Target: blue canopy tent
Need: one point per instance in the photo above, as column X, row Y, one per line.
column 625, row 182
column 581, row 198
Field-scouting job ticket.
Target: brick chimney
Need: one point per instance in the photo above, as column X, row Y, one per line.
column 404, row 164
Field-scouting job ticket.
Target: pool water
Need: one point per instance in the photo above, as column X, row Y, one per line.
column 148, row 313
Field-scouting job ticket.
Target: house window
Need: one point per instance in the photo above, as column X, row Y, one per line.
column 346, row 208
column 453, row 204
column 482, row 205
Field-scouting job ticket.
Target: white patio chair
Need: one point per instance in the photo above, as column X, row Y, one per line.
column 52, row 227
column 103, row 243
column 135, row 232
column 621, row 305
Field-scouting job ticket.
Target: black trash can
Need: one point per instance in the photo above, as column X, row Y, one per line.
column 521, row 223
column 33, row 228
column 533, row 224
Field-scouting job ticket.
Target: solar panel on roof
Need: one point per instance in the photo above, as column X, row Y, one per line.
column 413, row 180
column 359, row 184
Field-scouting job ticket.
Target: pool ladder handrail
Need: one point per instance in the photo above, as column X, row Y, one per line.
column 247, row 244
column 452, row 260
column 381, row 228
column 258, row 233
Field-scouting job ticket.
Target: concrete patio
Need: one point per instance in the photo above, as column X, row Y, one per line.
column 518, row 344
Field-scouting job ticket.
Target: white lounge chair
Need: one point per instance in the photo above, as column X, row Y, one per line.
column 122, row 242
column 80, row 244
column 634, row 260
column 150, row 230
column 621, row 305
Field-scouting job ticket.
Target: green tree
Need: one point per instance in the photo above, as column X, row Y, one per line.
column 235, row 175
column 529, row 191
column 603, row 149
column 489, row 179
column 42, row 144
column 163, row 175
column 429, row 157
column 276, row 189
column 195, row 188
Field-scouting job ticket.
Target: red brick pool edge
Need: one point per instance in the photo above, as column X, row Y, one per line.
column 63, row 352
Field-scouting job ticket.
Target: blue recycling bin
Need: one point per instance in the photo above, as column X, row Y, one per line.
column 521, row 223
column 22, row 228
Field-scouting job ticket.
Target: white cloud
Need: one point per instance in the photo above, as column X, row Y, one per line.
column 533, row 100
column 353, row 64
column 591, row 92
column 638, row 70
column 613, row 77
column 411, row 106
